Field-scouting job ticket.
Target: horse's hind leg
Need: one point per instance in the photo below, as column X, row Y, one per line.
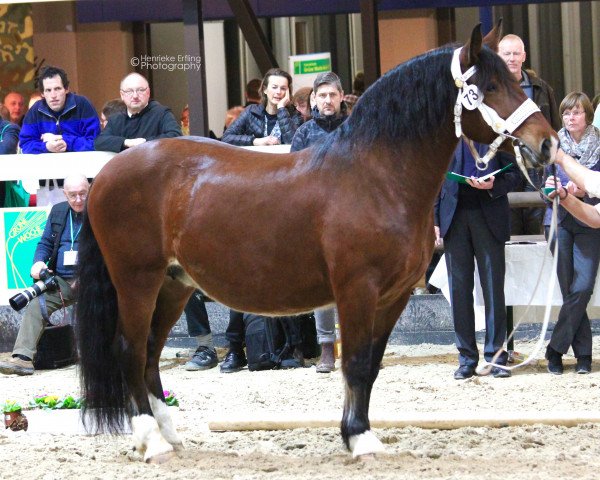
column 365, row 330
column 171, row 300
column 137, row 296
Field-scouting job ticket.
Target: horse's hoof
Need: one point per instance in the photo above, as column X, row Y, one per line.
column 365, row 444
column 160, row 458
column 369, row 457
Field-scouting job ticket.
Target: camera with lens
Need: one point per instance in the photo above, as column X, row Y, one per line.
column 47, row 282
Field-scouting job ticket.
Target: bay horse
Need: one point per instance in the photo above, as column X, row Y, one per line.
column 347, row 222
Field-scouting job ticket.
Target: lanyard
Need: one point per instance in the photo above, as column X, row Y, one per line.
column 73, row 238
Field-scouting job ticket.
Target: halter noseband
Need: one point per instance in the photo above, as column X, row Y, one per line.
column 471, row 98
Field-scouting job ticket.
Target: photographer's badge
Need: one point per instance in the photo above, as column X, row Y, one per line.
column 70, row 258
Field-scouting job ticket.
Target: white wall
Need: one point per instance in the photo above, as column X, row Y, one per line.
column 216, row 75
column 171, row 88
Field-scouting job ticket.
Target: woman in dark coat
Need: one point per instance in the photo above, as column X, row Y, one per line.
column 274, row 121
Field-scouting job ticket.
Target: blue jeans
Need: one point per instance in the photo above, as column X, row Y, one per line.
column 578, row 257
column 196, row 316
column 325, row 323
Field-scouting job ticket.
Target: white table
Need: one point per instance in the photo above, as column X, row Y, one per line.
column 52, row 165
column 523, row 266
column 30, row 168
column 524, row 262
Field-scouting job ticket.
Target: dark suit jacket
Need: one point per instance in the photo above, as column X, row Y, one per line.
column 494, row 202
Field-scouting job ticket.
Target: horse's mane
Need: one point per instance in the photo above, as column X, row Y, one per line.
column 409, row 103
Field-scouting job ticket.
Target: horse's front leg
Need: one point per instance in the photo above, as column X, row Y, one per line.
column 365, row 330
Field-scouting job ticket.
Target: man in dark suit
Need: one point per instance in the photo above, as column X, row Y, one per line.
column 473, row 219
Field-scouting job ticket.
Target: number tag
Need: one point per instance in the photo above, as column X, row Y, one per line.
column 471, row 97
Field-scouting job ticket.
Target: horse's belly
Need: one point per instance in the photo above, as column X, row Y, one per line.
column 259, row 281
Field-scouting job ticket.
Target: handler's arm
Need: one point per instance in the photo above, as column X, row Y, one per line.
column 584, row 212
column 582, row 176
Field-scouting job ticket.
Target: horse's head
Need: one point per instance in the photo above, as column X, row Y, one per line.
column 495, row 109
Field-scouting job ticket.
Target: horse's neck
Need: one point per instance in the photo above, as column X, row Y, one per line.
column 422, row 165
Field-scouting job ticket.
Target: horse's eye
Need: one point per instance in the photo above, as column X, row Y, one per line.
column 491, row 88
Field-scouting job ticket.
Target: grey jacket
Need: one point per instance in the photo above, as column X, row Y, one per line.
column 316, row 128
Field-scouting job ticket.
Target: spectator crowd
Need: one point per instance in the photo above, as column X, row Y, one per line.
column 472, row 220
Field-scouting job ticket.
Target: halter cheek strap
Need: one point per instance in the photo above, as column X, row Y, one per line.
column 471, row 98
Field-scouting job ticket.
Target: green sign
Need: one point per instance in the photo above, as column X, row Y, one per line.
column 312, row 66
column 22, row 231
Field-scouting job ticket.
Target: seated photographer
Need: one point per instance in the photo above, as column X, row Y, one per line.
column 56, row 252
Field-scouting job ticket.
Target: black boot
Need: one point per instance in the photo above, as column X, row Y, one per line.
column 235, row 359
column 555, row 365
column 584, row 364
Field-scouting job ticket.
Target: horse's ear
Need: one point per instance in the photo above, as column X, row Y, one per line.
column 470, row 53
column 493, row 38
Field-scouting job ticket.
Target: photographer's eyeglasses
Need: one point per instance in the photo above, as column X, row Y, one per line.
column 130, row 92
column 74, row 195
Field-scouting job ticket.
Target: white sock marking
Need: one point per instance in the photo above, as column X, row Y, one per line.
column 365, row 444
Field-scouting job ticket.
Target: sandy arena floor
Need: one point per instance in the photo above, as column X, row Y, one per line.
column 416, row 379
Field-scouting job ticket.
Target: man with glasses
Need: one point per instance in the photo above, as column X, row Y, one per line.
column 144, row 119
column 528, row 221
column 57, row 252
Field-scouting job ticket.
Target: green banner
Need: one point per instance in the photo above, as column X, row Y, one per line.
column 22, row 232
column 312, row 66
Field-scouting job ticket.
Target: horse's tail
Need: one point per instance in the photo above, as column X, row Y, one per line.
column 105, row 394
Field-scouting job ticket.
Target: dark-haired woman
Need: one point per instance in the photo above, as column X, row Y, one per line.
column 578, row 244
column 274, row 121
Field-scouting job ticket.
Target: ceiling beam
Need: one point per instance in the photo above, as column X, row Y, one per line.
column 255, row 37
column 370, row 40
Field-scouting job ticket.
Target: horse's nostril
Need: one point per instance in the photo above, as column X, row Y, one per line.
column 546, row 148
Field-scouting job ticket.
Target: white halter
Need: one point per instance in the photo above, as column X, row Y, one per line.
column 470, row 97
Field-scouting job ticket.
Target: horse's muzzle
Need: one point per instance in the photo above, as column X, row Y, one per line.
column 547, row 151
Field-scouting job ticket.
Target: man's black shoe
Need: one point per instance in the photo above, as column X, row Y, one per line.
column 464, row 372
column 584, row 364
column 203, row 359
column 234, row 361
column 500, row 373
column 555, row 365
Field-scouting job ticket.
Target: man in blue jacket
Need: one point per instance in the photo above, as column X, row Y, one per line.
column 473, row 218
column 61, row 121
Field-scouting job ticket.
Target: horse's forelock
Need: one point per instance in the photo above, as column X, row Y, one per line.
column 491, row 66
